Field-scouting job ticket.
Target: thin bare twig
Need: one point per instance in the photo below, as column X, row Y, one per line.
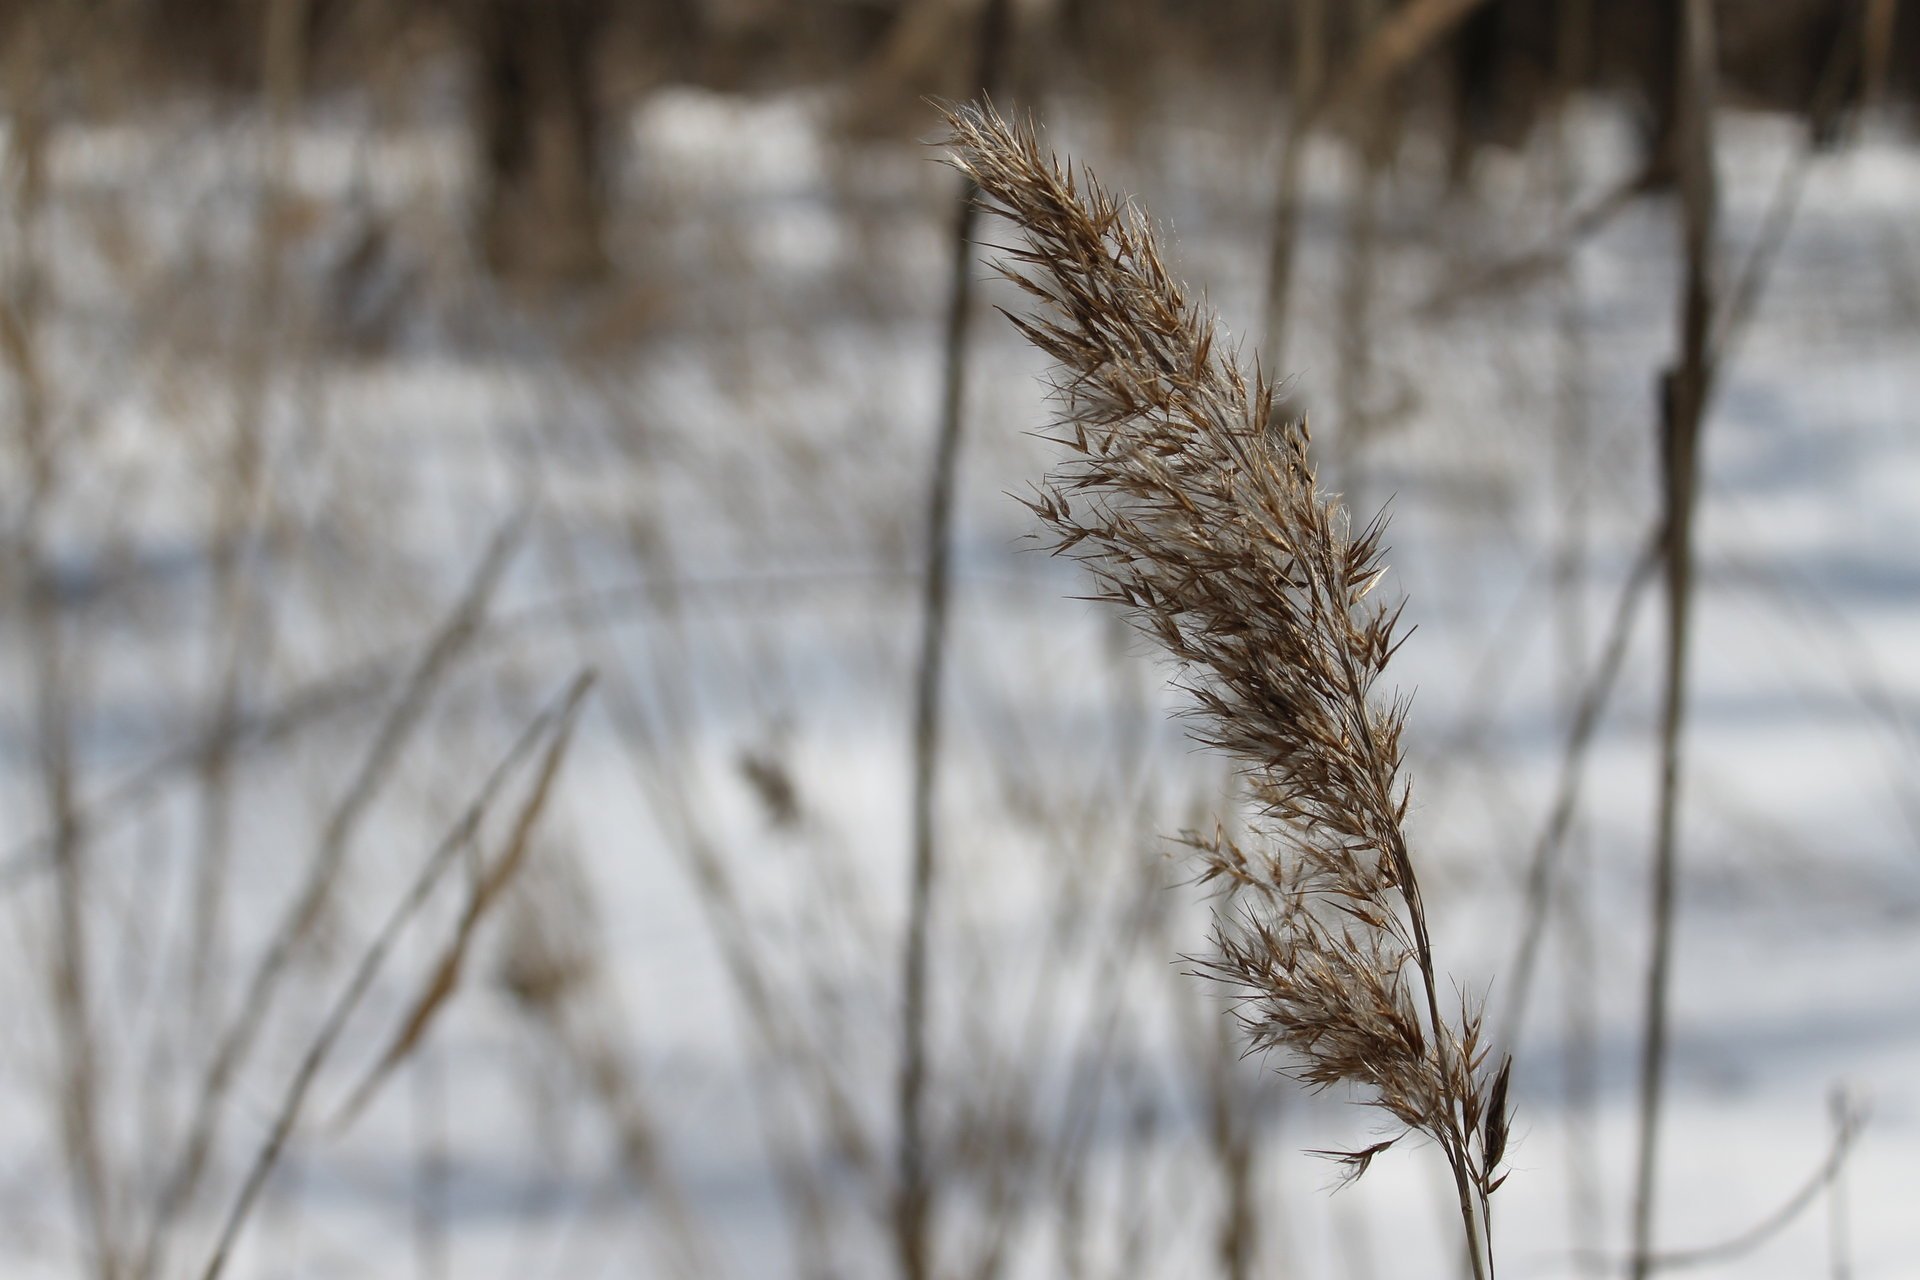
column 1684, row 401
column 1568, row 236
column 238, row 616
column 1394, row 45
column 913, row 1195
column 1309, row 59
column 1543, row 860
column 291, row 934
column 1847, row 1132
column 361, row 682
column 556, row 725
column 1572, row 465
column 51, row 650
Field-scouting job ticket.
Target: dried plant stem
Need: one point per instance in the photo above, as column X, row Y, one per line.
column 1684, row 401
column 1309, row 68
column 1230, row 1133
column 1748, row 285
column 1359, row 330
column 1550, row 844
column 1196, row 510
column 914, row 1192
column 1847, row 1125
column 1573, row 462
column 1877, row 46
column 293, row 931
column 1392, row 42
column 363, row 681
column 427, row 1107
column 239, row 618
column 1839, row 1238
column 556, row 726
column 649, row 710
column 1734, row 319
column 1395, row 43
column 51, row 649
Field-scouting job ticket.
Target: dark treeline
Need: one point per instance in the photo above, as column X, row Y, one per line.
column 544, row 75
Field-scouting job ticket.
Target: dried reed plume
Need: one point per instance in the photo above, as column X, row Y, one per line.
column 1195, row 506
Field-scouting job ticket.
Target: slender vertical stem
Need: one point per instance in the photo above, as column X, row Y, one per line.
column 1391, row 43
column 237, row 616
column 1354, row 397
column 1230, row 1103
column 50, row 646
column 292, row 932
column 428, row 1112
column 557, row 725
column 1876, row 51
column 913, row 1195
column 1309, row 63
column 1459, row 1133
column 1839, row 1242
column 1572, row 461
column 1683, row 402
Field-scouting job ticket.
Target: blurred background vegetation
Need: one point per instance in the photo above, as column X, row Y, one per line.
column 532, row 747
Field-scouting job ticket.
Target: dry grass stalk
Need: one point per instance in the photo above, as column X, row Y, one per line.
column 1309, row 58
column 553, row 968
column 239, row 618
column 556, row 726
column 52, row 649
column 1398, row 42
column 1572, row 463
column 913, row 1198
column 648, row 709
column 1685, row 389
column 1199, row 512
column 1357, row 322
column 293, row 934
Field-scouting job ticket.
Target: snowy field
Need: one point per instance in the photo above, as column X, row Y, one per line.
column 672, row 1048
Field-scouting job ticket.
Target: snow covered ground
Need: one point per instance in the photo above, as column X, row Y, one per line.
column 712, row 483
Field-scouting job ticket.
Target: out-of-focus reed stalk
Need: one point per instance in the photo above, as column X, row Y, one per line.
column 1685, row 389
column 53, row 649
column 1309, row 68
column 913, row 1196
column 1357, row 324
column 1195, row 507
column 1572, row 467
column 238, row 616
column 555, row 726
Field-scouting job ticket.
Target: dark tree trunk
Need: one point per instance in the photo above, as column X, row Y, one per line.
column 1659, row 70
column 538, row 113
column 1503, row 73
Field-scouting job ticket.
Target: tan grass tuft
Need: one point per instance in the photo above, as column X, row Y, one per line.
column 1196, row 508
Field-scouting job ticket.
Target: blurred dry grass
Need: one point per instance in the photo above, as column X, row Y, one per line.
column 316, row 504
